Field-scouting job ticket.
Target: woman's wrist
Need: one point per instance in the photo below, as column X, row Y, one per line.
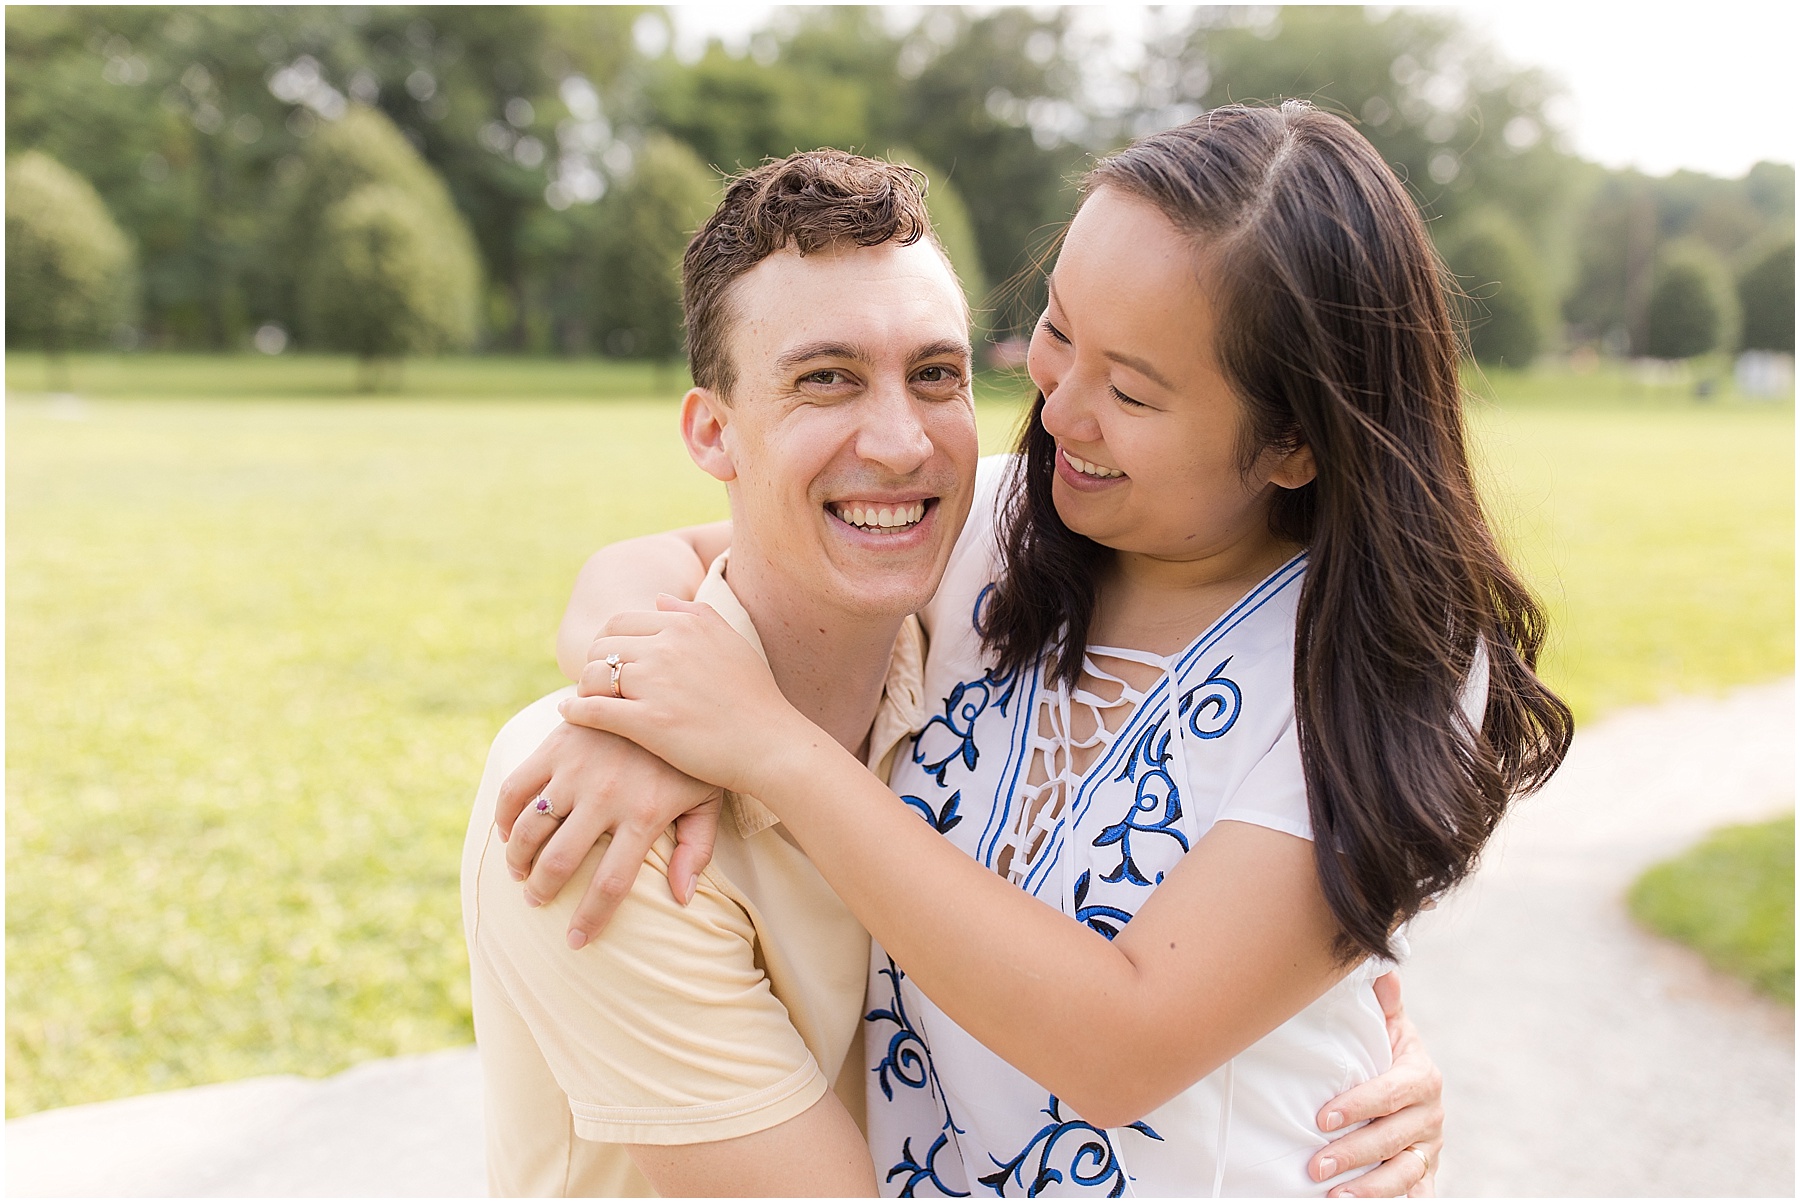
column 796, row 751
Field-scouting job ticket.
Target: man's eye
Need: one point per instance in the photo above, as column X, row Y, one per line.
column 938, row 374
column 823, row 376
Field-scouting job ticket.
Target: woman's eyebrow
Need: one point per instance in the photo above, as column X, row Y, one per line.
column 1140, row 366
column 1135, row 363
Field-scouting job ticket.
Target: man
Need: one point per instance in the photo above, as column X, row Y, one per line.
column 690, row 1051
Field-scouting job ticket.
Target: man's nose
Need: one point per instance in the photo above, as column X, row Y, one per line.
column 893, row 433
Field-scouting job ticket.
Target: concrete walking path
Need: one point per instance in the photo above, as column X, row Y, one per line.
column 1582, row 1056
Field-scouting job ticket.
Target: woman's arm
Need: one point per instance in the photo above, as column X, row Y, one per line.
column 627, row 576
column 600, row 785
column 1234, row 941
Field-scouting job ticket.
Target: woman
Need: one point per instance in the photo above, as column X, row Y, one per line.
column 1235, row 680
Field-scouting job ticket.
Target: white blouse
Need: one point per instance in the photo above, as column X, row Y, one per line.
column 1085, row 798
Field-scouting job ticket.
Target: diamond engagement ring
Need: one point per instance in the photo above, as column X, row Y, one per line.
column 613, row 662
column 542, row 806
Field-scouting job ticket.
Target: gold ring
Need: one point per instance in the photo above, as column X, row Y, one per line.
column 1423, row 1160
column 613, row 662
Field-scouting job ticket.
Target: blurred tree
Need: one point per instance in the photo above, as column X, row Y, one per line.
column 994, row 99
column 1766, row 298
column 69, row 278
column 642, row 228
column 379, row 284
column 1504, row 304
column 1631, row 215
column 950, row 220
column 361, row 148
column 1462, row 127
column 1691, row 310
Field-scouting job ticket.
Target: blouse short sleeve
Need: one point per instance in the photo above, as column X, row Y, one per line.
column 1273, row 793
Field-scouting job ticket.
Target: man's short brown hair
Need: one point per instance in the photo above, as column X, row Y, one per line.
column 813, row 200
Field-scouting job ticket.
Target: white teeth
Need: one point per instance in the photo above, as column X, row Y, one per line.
column 1086, row 469
column 881, row 517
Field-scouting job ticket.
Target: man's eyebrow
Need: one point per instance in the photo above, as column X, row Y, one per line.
column 1136, row 364
column 807, row 352
column 945, row 346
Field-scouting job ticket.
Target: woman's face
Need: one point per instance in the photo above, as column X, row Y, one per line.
column 1147, row 430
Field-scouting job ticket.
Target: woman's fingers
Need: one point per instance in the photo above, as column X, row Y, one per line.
column 600, row 713
column 695, row 833
column 563, row 850
column 521, row 786
column 612, row 880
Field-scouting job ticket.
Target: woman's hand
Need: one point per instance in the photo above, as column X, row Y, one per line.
column 1405, row 1110
column 693, row 691
column 601, row 784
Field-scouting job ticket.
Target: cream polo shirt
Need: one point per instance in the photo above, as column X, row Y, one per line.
column 679, row 1025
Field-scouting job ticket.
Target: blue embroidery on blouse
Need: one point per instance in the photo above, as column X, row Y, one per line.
column 926, row 1173
column 1148, row 767
column 1090, row 1163
column 1214, row 704
column 966, row 703
column 908, row 1061
column 942, row 820
column 1107, row 920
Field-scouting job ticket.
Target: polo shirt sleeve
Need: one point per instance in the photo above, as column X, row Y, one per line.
column 664, row 1031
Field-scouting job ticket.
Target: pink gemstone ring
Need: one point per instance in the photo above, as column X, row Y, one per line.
column 543, row 807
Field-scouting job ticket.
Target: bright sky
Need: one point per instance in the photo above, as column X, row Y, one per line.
column 1658, row 86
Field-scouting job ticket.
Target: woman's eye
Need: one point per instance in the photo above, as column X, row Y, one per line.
column 1053, row 332
column 1125, row 400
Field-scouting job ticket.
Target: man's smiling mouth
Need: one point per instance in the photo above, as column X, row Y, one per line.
column 872, row 516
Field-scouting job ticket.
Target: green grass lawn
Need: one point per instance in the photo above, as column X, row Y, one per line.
column 260, row 631
column 1731, row 897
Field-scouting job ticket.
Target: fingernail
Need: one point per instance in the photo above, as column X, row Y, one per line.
column 688, row 896
column 562, row 707
column 577, row 939
column 531, row 899
column 1333, row 1120
column 1327, row 1168
column 516, row 875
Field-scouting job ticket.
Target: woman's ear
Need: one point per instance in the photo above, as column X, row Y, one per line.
column 704, row 422
column 1295, row 469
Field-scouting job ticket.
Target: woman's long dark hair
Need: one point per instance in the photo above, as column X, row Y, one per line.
column 1336, row 333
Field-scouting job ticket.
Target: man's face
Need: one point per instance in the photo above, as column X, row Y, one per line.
column 850, row 432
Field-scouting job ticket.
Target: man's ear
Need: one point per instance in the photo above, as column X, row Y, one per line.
column 1295, row 469
column 704, row 422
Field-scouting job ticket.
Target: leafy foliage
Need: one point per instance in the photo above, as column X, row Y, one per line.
column 381, row 283
column 1766, row 297
column 387, row 267
column 1732, row 898
column 643, row 226
column 1691, row 309
column 1504, row 303
column 68, row 267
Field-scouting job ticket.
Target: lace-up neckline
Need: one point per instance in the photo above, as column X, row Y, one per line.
column 1070, row 732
